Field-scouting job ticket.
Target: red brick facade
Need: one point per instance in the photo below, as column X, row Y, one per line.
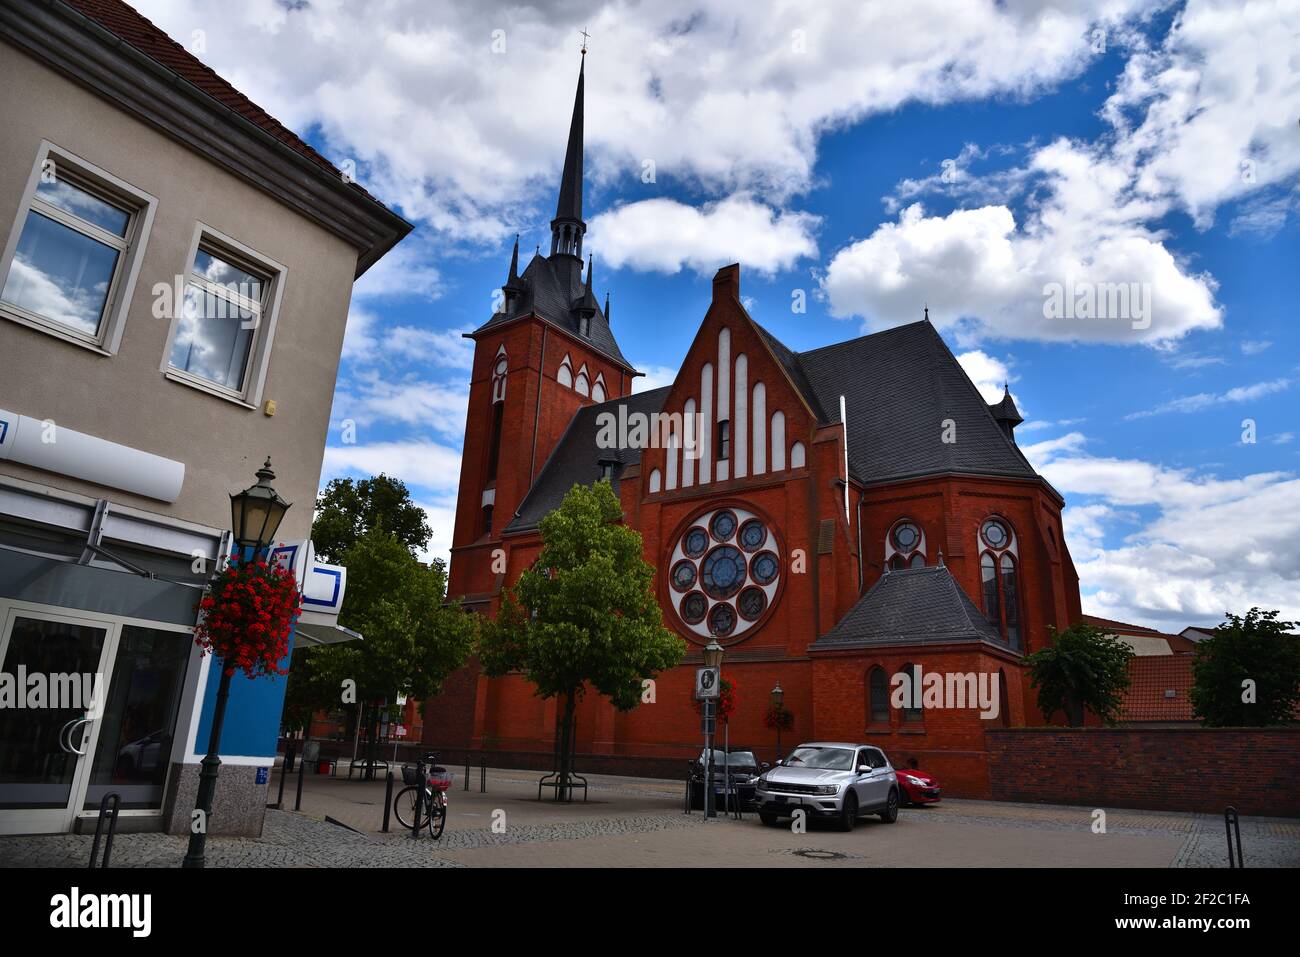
column 799, row 494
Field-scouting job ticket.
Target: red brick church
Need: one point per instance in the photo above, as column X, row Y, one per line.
column 844, row 513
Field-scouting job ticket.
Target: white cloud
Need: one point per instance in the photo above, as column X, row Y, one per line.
column 732, row 97
column 1204, row 400
column 989, row 374
column 417, row 462
column 663, row 235
column 1208, row 545
column 1253, row 347
column 370, row 398
column 655, row 377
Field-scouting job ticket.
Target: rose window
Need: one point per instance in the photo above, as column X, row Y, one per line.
column 724, row 572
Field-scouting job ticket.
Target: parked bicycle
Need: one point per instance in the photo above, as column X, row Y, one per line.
column 425, row 797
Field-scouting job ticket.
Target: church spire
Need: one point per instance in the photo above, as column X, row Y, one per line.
column 567, row 228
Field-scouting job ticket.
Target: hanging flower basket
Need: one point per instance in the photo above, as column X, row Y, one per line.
column 779, row 718
column 246, row 617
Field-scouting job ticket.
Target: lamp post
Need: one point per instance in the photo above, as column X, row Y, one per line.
column 713, row 654
column 255, row 515
column 778, row 699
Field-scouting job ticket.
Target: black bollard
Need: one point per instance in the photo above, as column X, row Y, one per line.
column 388, row 800
column 297, row 801
column 466, row 770
column 284, row 769
column 482, row 774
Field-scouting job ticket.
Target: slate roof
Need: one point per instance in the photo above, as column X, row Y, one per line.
column 576, row 458
column 552, row 289
column 911, row 606
column 899, row 386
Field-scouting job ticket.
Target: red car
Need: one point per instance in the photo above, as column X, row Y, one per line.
column 917, row 787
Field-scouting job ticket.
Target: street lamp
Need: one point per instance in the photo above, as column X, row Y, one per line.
column 778, row 699
column 713, row 654
column 255, row 515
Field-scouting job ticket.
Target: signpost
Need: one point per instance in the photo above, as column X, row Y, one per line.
column 708, row 684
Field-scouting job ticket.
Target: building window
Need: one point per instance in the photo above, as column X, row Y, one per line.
column 999, row 579
column 583, row 384
column 500, row 366
column 913, row 713
column 878, row 697
column 71, row 260
column 221, row 338
column 584, row 327
column 487, row 519
column 565, row 375
column 724, row 440
column 598, row 388
column 494, row 440
column 905, row 546
column 725, row 572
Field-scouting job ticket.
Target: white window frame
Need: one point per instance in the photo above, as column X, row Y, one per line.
column 104, row 184
column 259, row 350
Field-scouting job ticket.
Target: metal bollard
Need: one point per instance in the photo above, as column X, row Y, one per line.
column 688, row 788
column 1232, row 823
column 388, row 800
column 466, row 770
column 112, row 827
column 284, row 769
column 297, row 801
column 482, row 774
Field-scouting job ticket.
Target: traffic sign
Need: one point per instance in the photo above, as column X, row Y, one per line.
column 707, row 684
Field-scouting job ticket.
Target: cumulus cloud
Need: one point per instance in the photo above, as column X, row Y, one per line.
column 1191, row 545
column 372, row 398
column 990, row 374
column 1204, row 118
column 417, row 462
column 664, row 235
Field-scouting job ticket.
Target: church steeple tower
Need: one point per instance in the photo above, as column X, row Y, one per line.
column 568, row 228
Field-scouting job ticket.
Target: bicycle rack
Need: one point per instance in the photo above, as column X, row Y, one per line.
column 111, row 816
column 1232, row 825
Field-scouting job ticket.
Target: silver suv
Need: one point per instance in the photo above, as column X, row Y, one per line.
column 830, row 779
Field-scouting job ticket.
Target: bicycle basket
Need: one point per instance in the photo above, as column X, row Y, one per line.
column 440, row 779
column 410, row 774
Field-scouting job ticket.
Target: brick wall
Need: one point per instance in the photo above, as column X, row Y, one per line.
column 1170, row 769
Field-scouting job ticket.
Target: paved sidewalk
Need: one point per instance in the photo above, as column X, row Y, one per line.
column 638, row 822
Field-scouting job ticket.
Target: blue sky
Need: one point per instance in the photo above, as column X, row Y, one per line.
column 876, row 159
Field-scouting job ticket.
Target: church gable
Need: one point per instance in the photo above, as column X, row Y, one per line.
column 733, row 411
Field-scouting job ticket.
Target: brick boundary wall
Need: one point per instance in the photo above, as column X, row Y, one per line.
column 1257, row 770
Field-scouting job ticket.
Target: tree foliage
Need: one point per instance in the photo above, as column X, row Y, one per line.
column 1256, row 648
column 348, row 509
column 585, row 615
column 1083, row 668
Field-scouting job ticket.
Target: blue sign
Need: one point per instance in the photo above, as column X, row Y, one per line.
column 262, row 774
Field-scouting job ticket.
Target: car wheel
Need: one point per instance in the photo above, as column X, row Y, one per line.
column 768, row 819
column 890, row 814
column 849, row 812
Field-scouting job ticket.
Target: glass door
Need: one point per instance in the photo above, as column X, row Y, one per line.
column 50, row 663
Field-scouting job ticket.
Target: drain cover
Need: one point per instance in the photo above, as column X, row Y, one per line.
column 817, row 854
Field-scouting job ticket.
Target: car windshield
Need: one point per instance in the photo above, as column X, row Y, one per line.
column 734, row 759
column 830, row 759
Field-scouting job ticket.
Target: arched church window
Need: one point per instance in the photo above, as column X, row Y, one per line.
column 905, row 546
column 598, row 390
column 999, row 579
column 878, row 697
column 798, row 456
column 724, row 572
column 912, row 709
column 565, row 375
column 656, row 480
column 583, row 384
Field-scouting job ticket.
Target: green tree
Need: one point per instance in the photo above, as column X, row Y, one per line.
column 347, row 509
column 1083, row 668
column 1257, row 648
column 585, row 615
column 412, row 637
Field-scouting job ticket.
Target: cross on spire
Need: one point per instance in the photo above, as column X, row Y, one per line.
column 585, row 37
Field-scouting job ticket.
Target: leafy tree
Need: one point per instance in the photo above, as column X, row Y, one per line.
column 1256, row 648
column 311, row 688
column 347, row 509
column 412, row 638
column 1083, row 667
column 585, row 615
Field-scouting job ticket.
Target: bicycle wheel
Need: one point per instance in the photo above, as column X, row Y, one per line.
column 404, row 808
column 439, row 819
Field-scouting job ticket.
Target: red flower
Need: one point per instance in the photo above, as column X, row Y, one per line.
column 246, row 617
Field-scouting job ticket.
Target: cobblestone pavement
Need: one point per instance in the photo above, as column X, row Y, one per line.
column 639, row 822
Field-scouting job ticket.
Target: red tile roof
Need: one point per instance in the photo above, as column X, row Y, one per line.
column 128, row 25
column 1121, row 627
column 1150, row 676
